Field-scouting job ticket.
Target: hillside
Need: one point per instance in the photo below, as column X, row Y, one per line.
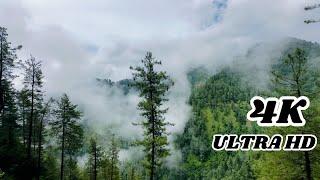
column 219, row 105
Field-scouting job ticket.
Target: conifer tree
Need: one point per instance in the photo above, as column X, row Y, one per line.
column 10, row 153
column 7, row 63
column 104, row 167
column 43, row 113
column 33, row 81
column 294, row 76
column 152, row 86
column 68, row 131
column 23, row 104
column 10, row 149
column 114, row 159
column 95, row 152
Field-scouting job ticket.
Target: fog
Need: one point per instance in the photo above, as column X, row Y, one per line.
column 79, row 42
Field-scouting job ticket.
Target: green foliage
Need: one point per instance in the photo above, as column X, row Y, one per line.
column 197, row 76
column 7, row 64
column 31, row 101
column 11, row 151
column 69, row 132
column 219, row 106
column 113, row 155
column 124, row 85
column 23, row 121
column 152, row 86
column 132, row 171
column 1, row 173
column 103, row 163
column 293, row 75
column 95, row 158
column 50, row 163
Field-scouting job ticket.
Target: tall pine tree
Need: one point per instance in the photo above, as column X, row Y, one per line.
column 152, row 86
column 68, row 130
column 10, row 149
column 43, row 114
column 33, row 81
column 113, row 155
column 7, row 63
column 95, row 153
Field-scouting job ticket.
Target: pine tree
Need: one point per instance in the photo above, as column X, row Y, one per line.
column 153, row 86
column 130, row 171
column 43, row 113
column 95, row 152
column 10, row 149
column 23, row 104
column 68, row 130
column 7, row 63
column 104, row 167
column 114, row 159
column 33, row 81
column 293, row 76
column 9, row 142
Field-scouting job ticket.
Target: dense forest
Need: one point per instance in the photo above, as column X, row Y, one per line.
column 46, row 138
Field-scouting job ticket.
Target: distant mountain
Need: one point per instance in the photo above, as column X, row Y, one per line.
column 124, row 84
column 256, row 64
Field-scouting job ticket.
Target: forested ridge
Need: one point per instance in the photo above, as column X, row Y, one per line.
column 219, row 106
column 47, row 138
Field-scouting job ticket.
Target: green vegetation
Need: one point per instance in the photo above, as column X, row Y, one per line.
column 219, row 106
column 152, row 86
column 42, row 139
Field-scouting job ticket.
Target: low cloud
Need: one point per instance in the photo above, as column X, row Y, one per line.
column 80, row 41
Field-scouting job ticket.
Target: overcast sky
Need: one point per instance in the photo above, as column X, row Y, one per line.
column 80, row 40
column 105, row 36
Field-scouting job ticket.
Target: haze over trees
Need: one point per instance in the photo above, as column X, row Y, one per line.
column 41, row 139
column 44, row 138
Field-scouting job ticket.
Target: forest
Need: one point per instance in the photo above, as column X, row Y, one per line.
column 45, row 137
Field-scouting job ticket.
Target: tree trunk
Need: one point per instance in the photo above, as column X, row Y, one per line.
column 24, row 126
column 306, row 153
column 1, row 75
column 31, row 117
column 95, row 163
column 132, row 174
column 34, row 137
column 111, row 173
column 152, row 171
column 307, row 165
column 62, row 147
column 152, row 154
column 39, row 149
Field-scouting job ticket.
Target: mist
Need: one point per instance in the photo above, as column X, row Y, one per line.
column 79, row 44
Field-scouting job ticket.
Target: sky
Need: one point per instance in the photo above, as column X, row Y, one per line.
column 108, row 35
column 80, row 40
